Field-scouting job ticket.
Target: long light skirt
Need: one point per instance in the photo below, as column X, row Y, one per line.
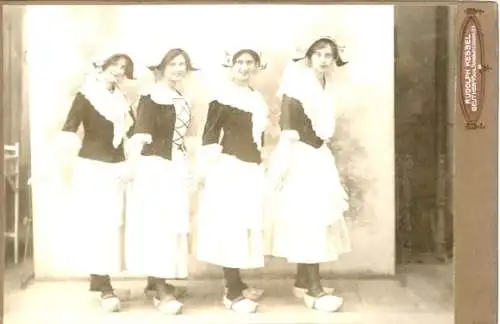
column 230, row 215
column 304, row 221
column 158, row 218
column 94, row 224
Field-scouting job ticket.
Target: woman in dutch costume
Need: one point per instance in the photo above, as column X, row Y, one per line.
column 230, row 215
column 97, row 187
column 158, row 197
column 307, row 225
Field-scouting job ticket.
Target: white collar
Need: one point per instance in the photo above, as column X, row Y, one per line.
column 164, row 95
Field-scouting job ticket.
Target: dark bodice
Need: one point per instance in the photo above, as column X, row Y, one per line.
column 294, row 118
column 236, row 125
column 157, row 120
column 97, row 142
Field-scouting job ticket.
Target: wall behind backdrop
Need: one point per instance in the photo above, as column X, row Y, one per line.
column 63, row 40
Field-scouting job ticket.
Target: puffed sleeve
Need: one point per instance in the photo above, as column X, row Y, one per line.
column 210, row 147
column 68, row 142
column 75, row 115
column 289, row 128
column 130, row 132
column 289, row 88
column 145, row 117
column 143, row 127
column 213, row 125
column 68, row 138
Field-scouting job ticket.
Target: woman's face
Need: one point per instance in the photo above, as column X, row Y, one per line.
column 115, row 72
column 176, row 69
column 322, row 59
column 244, row 67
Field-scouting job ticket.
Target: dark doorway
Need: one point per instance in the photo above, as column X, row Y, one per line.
column 422, row 130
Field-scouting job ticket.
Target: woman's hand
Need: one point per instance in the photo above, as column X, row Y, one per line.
column 127, row 174
column 206, row 158
column 133, row 153
column 198, row 179
column 67, row 166
column 276, row 179
column 191, row 181
column 279, row 183
column 277, row 166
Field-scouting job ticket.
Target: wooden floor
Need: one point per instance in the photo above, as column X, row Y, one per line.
column 421, row 293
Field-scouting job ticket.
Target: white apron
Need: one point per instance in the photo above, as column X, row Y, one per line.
column 305, row 222
column 95, row 223
column 157, row 223
column 230, row 214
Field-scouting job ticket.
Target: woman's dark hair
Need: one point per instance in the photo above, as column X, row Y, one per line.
column 321, row 43
column 252, row 53
column 129, row 66
column 169, row 56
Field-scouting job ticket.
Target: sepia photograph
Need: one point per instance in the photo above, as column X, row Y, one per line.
column 216, row 163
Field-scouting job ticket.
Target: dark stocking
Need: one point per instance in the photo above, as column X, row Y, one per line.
column 315, row 288
column 150, row 285
column 234, row 284
column 161, row 287
column 301, row 276
column 101, row 283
